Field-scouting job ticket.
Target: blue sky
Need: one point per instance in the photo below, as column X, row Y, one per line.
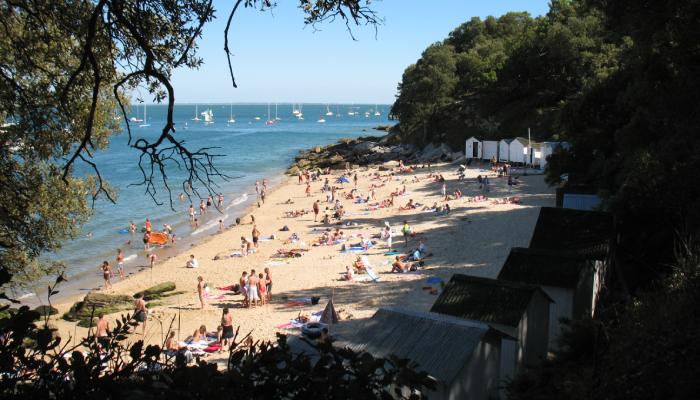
column 276, row 57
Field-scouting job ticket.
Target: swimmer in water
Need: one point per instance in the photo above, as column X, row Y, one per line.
column 89, row 235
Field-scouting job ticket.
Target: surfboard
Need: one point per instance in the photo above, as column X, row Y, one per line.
column 158, row 238
column 124, row 231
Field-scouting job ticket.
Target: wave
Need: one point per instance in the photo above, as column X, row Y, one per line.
column 238, row 200
column 26, row 295
column 210, row 225
column 131, row 257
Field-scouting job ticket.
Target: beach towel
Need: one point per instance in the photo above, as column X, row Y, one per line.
column 213, row 297
column 277, row 263
column 356, row 249
column 393, row 253
column 434, row 279
column 362, row 214
column 226, row 288
column 264, row 239
column 409, row 276
column 442, row 213
column 212, row 348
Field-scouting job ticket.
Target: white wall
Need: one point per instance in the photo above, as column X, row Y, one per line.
column 562, row 307
column 469, row 148
column 504, row 150
column 490, row 149
column 516, row 152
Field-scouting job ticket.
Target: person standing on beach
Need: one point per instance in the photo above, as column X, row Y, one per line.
column 245, row 246
column 191, row 213
column 256, row 235
column 444, row 189
column 120, row 264
column 146, row 236
column 140, row 312
column 317, row 208
column 102, row 332
column 485, row 183
column 268, row 285
column 253, row 289
column 152, row 259
column 209, row 200
column 262, row 286
column 406, row 230
column 200, row 290
column 263, row 193
column 264, row 185
column 221, row 226
column 387, row 235
column 221, row 201
column 510, row 183
column 107, row 272
column 243, row 282
column 307, row 176
column 301, row 177
column 227, row 334
column 257, row 187
column 308, row 190
column 355, row 179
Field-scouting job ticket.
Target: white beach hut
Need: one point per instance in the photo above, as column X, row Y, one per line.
column 473, row 148
column 463, row 356
column 547, row 149
column 566, row 277
column 504, row 150
column 489, row 149
column 517, row 309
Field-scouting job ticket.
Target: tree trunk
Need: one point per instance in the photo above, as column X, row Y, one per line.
column 425, row 131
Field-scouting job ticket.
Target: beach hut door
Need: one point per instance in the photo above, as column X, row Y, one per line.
column 475, row 149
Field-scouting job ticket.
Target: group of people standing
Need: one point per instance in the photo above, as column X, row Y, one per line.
column 256, row 288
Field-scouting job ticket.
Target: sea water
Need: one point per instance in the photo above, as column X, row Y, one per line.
column 250, row 150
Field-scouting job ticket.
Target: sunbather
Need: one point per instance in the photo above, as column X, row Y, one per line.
column 349, row 275
column 408, row 206
column 432, row 208
column 400, row 266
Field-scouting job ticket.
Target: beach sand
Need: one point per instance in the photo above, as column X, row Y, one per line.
column 474, row 239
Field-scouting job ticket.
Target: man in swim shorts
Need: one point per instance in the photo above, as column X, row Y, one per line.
column 268, row 286
column 102, row 334
column 146, row 245
column 209, row 203
column 191, row 212
column 120, row 264
column 256, row 234
column 253, row 289
column 140, row 312
column 317, row 207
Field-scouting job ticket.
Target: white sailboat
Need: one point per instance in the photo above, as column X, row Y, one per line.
column 294, row 110
column 144, row 117
column 320, row 117
column 208, row 116
column 137, row 119
column 276, row 118
column 329, row 110
column 300, row 115
column 351, row 112
column 268, row 116
column 196, row 114
column 231, row 116
column 376, row 110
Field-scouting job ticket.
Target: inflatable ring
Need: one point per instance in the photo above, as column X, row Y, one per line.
column 312, row 330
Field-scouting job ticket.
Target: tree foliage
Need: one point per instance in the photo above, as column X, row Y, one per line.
column 67, row 70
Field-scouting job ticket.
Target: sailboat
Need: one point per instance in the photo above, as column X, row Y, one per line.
column 300, row 115
column 329, row 110
column 137, row 119
column 208, row 116
column 144, row 117
column 320, row 117
column 268, row 116
column 351, row 108
column 376, row 109
column 196, row 114
column 231, row 116
column 294, row 110
column 276, row 119
column 338, row 114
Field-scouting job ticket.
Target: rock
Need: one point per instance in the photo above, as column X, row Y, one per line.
column 158, row 289
column 345, row 140
column 397, row 149
column 364, row 148
column 375, row 157
column 457, row 155
column 100, row 303
column 431, row 153
column 389, row 156
column 385, row 168
column 317, row 149
column 337, row 159
column 301, row 164
column 292, row 171
column 364, row 130
column 46, row 310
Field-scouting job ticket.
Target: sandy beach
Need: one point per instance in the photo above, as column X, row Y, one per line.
column 474, row 238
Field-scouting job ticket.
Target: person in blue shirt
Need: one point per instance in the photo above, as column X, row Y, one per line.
column 485, row 182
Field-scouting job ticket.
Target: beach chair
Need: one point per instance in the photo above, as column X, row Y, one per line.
column 365, row 262
column 372, row 274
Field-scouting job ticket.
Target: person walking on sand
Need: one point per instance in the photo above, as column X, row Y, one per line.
column 140, row 312
column 406, row 231
column 243, row 284
column 317, row 208
column 146, row 236
column 264, row 187
column 262, row 195
column 308, row 190
column 107, row 272
column 485, row 183
column 200, row 290
column 191, row 213
column 387, row 236
column 444, row 189
column 268, row 285
column 120, row 264
column 253, row 289
column 102, row 332
column 256, row 235
column 227, row 334
column 152, row 259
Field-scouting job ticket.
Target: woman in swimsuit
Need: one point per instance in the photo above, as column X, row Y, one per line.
column 107, row 271
column 227, row 335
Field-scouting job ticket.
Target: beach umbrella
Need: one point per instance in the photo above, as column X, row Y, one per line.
column 342, row 179
column 329, row 315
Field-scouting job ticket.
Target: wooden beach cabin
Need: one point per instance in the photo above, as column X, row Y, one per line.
column 504, row 150
column 518, row 309
column 567, row 278
column 489, row 149
column 591, row 234
column 473, row 148
column 463, row 356
column 518, row 153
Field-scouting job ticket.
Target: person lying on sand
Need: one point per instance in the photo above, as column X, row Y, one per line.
column 303, row 318
column 432, row 208
column 408, row 206
column 289, row 201
column 400, row 266
column 198, row 335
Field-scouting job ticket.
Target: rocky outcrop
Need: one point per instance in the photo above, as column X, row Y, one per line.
column 95, row 303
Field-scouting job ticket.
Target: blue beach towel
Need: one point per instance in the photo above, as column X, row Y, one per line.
column 435, row 279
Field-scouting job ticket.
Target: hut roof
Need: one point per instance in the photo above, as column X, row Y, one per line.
column 589, row 233
column 438, row 344
column 485, row 300
column 543, row 267
column 506, row 140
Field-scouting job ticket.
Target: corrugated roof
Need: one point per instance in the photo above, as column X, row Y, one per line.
column 589, row 233
column 490, row 301
column 586, row 202
column 439, row 345
column 543, row 267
